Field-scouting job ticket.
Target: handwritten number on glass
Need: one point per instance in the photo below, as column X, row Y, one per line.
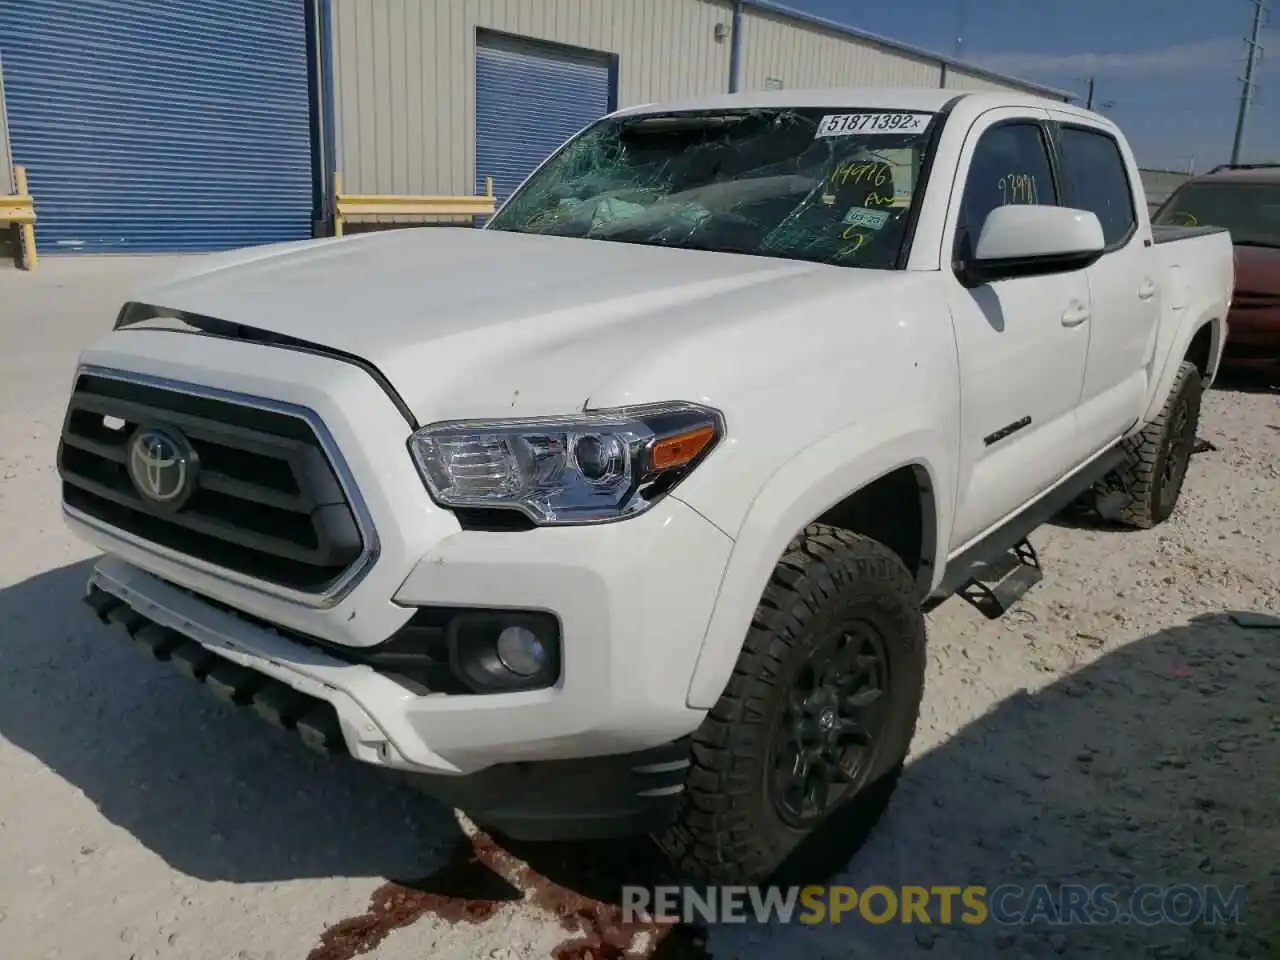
column 1018, row 188
column 854, row 243
column 876, row 173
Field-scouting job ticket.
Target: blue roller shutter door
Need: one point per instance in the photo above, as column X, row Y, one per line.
column 529, row 100
column 161, row 125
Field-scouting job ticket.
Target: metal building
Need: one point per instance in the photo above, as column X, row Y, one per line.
column 161, row 124
column 6, row 159
column 432, row 96
column 1160, row 184
column 164, row 125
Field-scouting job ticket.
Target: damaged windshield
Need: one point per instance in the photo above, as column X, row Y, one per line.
column 832, row 186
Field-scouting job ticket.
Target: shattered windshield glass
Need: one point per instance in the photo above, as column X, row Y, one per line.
column 832, row 186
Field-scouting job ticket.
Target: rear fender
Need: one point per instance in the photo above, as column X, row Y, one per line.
column 1191, row 323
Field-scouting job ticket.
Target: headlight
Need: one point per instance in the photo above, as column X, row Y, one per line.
column 584, row 468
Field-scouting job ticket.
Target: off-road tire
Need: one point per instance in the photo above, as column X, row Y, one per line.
column 727, row 829
column 1151, row 496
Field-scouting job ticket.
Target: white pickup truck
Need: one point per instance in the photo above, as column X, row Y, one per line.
column 622, row 514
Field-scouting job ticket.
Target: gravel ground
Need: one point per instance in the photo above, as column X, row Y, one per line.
column 1116, row 727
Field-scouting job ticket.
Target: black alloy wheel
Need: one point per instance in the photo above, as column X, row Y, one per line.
column 830, row 725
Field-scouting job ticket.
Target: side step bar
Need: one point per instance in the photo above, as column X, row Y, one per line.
column 966, row 572
column 312, row 720
column 994, row 602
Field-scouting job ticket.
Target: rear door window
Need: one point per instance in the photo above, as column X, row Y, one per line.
column 1094, row 179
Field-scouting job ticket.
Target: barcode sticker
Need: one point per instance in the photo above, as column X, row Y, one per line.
column 848, row 124
column 865, row 217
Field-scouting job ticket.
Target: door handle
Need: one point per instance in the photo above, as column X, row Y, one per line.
column 1147, row 290
column 1075, row 316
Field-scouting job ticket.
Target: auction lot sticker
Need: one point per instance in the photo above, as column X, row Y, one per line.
column 847, row 124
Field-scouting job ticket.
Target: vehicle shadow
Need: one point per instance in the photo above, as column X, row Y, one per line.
column 1084, row 518
column 1082, row 514
column 214, row 791
column 989, row 303
column 1158, row 763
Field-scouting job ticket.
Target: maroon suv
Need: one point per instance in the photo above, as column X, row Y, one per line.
column 1246, row 200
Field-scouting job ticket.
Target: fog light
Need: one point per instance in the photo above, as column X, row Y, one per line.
column 521, row 651
column 494, row 651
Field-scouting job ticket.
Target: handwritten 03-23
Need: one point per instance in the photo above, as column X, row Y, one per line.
column 849, row 124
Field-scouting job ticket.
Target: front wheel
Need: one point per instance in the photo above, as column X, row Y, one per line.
column 817, row 717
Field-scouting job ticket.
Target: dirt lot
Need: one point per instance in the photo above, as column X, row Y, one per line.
column 1116, row 727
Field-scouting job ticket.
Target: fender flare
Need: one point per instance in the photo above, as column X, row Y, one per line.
column 807, row 486
column 1193, row 322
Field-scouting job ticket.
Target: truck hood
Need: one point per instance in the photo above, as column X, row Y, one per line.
column 467, row 323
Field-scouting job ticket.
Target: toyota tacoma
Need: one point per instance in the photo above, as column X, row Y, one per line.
column 622, row 513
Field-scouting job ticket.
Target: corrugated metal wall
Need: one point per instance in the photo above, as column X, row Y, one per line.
column 958, row 79
column 775, row 48
column 155, row 126
column 404, row 74
column 6, row 158
column 530, row 98
column 1158, row 184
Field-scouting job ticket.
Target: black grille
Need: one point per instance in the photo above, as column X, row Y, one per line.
column 267, row 503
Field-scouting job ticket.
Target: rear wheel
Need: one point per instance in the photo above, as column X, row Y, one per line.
column 817, row 717
column 1157, row 458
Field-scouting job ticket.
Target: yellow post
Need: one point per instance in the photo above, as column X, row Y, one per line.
column 488, row 186
column 29, row 258
column 337, row 210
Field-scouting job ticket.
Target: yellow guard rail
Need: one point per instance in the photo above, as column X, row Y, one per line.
column 20, row 209
column 373, row 205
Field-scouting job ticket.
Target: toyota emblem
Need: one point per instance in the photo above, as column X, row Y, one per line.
column 162, row 466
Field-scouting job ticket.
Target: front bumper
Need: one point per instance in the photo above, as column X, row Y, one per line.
column 574, row 799
column 633, row 598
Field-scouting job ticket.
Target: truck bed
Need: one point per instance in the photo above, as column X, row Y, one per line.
column 1169, row 233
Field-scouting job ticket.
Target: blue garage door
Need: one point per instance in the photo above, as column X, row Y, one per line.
column 529, row 100
column 158, row 125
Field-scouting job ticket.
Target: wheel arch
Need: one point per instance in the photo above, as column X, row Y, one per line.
column 899, row 509
column 1199, row 341
column 1202, row 350
column 827, row 484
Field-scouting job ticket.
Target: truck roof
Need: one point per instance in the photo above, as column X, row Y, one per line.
column 865, row 98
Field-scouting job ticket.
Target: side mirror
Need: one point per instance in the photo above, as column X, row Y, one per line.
column 1025, row 240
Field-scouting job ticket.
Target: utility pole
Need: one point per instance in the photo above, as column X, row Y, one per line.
column 1251, row 64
